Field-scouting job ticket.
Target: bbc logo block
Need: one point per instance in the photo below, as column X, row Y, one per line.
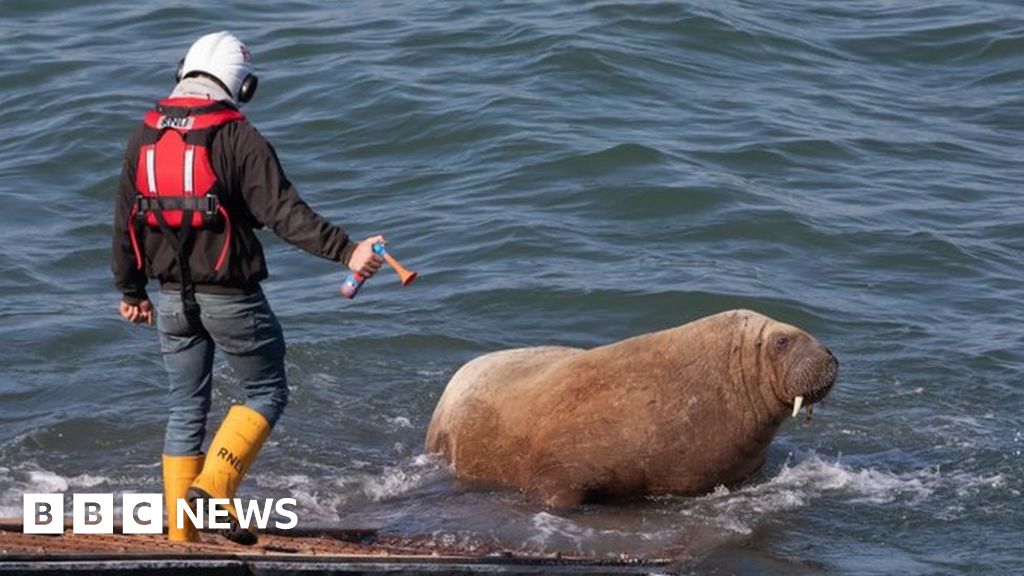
column 43, row 514
column 92, row 513
column 143, row 513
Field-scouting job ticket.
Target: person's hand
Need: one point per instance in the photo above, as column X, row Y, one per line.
column 364, row 260
column 137, row 313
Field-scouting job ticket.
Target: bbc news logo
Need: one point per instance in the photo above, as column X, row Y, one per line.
column 144, row 513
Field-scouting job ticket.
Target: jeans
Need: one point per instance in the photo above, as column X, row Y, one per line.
column 247, row 332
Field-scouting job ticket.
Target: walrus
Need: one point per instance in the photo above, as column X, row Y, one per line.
column 680, row 411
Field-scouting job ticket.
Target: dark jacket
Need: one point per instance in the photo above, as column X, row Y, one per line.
column 256, row 193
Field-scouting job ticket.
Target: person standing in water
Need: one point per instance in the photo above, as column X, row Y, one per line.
column 197, row 180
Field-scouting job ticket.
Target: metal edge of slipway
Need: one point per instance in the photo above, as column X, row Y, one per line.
column 228, row 565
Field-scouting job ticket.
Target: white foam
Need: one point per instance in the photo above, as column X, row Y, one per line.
column 317, row 506
column 401, row 422
column 550, row 529
column 428, row 373
column 325, row 501
column 44, row 481
column 601, row 530
column 815, row 476
column 400, row 480
column 282, row 481
column 15, row 483
column 30, row 479
column 798, row 485
column 86, row 481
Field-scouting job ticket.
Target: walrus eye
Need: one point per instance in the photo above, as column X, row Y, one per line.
column 781, row 342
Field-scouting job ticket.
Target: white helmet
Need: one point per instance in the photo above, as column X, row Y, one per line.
column 223, row 56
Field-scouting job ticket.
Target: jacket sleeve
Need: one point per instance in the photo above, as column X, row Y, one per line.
column 273, row 201
column 128, row 278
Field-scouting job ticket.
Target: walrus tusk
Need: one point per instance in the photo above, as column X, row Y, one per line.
column 798, row 402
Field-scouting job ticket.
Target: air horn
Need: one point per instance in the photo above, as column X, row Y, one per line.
column 350, row 287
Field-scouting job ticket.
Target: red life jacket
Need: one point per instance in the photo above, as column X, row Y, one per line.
column 177, row 190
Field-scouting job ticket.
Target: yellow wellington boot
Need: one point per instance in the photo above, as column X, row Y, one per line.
column 179, row 473
column 232, row 451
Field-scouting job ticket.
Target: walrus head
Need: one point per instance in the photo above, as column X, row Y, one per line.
column 804, row 369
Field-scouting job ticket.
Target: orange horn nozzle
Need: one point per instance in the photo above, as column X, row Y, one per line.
column 406, row 275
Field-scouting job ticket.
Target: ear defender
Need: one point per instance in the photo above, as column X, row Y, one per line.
column 245, row 91
column 248, row 88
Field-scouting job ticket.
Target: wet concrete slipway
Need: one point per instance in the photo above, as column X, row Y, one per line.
column 308, row 551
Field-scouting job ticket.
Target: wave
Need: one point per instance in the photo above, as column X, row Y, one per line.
column 693, row 527
column 329, row 499
column 29, row 479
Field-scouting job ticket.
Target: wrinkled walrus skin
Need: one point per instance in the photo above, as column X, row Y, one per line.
column 679, row 411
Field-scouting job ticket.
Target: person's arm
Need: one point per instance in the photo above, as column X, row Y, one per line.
column 128, row 277
column 274, row 202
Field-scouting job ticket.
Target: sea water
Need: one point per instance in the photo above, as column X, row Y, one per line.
column 567, row 173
